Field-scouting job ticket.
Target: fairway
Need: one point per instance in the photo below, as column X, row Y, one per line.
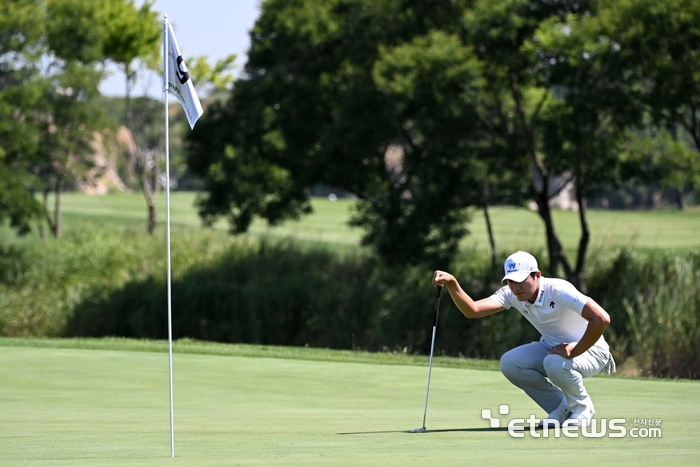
column 85, row 407
column 514, row 228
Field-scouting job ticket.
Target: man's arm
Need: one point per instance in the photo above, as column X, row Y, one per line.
column 468, row 307
column 598, row 319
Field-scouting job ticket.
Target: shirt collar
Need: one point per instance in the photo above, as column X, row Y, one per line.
column 540, row 297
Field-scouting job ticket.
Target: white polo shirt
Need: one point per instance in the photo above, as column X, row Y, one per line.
column 556, row 313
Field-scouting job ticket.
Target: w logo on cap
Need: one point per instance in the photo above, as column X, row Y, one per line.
column 518, row 265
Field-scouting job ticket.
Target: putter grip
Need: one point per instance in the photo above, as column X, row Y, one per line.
column 437, row 306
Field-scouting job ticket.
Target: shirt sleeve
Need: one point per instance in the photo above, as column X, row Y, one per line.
column 570, row 297
column 503, row 296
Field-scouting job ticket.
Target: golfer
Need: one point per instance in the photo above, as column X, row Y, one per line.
column 572, row 346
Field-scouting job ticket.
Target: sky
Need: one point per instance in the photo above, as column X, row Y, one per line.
column 216, row 28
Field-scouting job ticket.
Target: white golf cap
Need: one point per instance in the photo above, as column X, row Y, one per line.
column 518, row 266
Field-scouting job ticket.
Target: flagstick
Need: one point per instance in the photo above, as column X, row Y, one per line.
column 167, row 208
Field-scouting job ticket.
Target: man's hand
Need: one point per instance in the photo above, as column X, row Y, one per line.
column 468, row 307
column 564, row 349
column 441, row 278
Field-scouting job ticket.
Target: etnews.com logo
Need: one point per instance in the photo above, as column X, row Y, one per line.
column 613, row 428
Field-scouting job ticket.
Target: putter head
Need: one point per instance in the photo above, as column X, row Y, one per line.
column 419, row 430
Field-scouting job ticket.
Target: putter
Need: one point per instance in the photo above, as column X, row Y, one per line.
column 430, row 366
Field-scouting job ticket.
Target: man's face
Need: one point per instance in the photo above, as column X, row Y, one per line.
column 527, row 289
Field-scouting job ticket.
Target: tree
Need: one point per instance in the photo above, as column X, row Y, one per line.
column 582, row 123
column 447, row 105
column 50, row 57
column 68, row 116
column 612, row 65
column 310, row 111
column 215, row 78
column 69, row 121
column 657, row 45
column 20, row 95
column 525, row 110
column 49, row 78
column 662, row 162
column 436, row 89
column 133, row 33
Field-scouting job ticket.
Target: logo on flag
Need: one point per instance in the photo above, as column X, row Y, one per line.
column 178, row 82
column 181, row 71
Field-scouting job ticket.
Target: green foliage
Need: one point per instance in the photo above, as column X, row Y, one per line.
column 51, row 53
column 450, row 105
column 660, row 43
column 68, row 119
column 240, row 183
column 643, row 59
column 309, row 111
column 21, row 90
column 212, row 78
column 112, row 282
column 17, row 205
column 666, row 338
column 653, row 302
column 663, row 161
column 262, row 293
column 20, row 27
column 36, row 299
column 74, row 29
column 71, row 118
column 131, row 32
column 431, row 88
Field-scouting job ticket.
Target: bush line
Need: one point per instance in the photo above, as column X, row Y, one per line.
column 100, row 281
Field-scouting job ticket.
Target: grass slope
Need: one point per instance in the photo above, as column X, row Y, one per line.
column 85, row 407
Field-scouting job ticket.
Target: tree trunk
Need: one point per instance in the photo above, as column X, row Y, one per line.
column 580, row 282
column 554, row 247
column 45, row 204
column 486, row 198
column 129, row 115
column 53, row 221
column 678, row 192
column 492, row 239
column 57, row 207
column 680, row 199
column 148, row 193
column 151, row 218
column 148, row 189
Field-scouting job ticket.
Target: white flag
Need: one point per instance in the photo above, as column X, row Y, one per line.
column 179, row 83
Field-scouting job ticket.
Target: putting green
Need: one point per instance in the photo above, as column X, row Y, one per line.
column 82, row 407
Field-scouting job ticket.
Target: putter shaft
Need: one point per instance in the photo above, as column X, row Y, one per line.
column 432, row 348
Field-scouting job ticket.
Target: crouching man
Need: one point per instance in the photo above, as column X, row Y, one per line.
column 572, row 347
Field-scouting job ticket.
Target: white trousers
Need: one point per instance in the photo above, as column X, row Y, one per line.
column 528, row 367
